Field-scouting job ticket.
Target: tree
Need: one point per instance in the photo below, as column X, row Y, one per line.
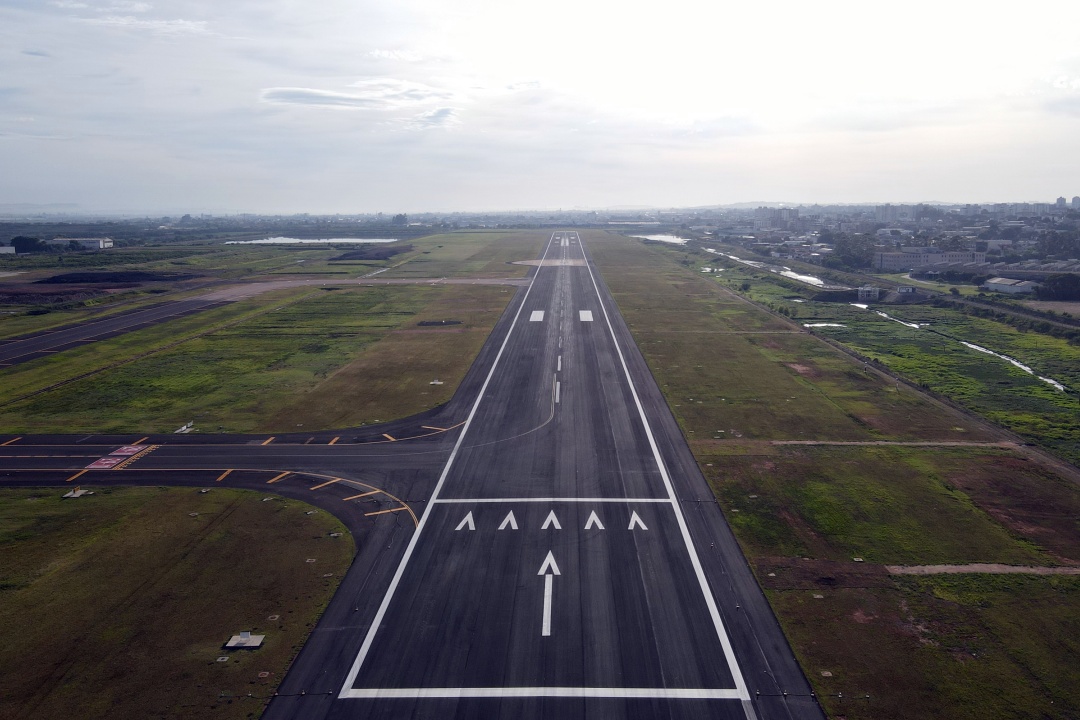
column 24, row 244
column 1064, row 286
column 400, row 219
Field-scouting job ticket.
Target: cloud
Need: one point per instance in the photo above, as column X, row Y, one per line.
column 36, row 53
column 157, row 27
column 371, row 93
column 444, row 117
column 1067, row 105
column 402, row 55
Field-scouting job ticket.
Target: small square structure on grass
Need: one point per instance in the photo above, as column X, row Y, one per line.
column 244, row 641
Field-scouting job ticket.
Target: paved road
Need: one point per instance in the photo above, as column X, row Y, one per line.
column 543, row 545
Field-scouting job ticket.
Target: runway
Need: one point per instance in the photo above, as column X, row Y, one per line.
column 544, row 545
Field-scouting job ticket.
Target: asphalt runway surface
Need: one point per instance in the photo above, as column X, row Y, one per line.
column 543, row 545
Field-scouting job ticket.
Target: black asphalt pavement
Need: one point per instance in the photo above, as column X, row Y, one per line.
column 543, row 545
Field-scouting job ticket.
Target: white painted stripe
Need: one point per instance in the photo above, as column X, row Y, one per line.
column 571, row 692
column 546, row 629
column 585, row 315
column 381, row 612
column 559, row 368
column 537, row 316
column 710, row 601
column 557, row 386
column 447, row 501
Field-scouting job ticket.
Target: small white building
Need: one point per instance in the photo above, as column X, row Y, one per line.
column 7, row 250
column 1010, row 286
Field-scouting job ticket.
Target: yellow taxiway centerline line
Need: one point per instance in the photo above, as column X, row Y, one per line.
column 322, row 485
column 12, row 440
column 224, row 475
column 141, row 441
column 75, row 476
column 334, row 440
column 391, row 438
column 269, row 440
column 278, row 477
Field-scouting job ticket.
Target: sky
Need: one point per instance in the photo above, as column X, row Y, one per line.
column 352, row 106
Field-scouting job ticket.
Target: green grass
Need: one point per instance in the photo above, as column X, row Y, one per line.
column 123, row 601
column 289, row 358
column 727, row 366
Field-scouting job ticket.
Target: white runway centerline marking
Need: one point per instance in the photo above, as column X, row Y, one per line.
column 549, row 570
column 537, row 316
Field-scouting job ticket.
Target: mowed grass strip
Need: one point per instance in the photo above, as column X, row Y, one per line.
column 470, row 254
column 310, row 358
column 123, row 600
column 730, row 370
column 392, row 378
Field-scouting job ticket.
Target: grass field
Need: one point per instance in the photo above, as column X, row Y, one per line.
column 310, row 357
column 123, row 599
column 819, row 523
column 933, row 355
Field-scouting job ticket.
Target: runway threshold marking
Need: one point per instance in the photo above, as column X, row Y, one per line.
column 224, row 475
column 346, row 689
column 277, row 478
column 328, row 482
column 11, row 441
column 76, row 475
column 269, row 440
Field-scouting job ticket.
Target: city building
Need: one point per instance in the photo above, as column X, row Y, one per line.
column 913, row 257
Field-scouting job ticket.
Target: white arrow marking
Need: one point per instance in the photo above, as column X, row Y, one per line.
column 635, row 520
column 550, row 566
column 467, row 522
column 510, row 521
column 551, row 520
column 549, row 570
column 594, row 521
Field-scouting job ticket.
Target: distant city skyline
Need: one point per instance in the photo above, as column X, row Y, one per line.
column 277, row 106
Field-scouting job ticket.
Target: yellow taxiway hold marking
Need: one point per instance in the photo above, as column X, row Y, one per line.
column 354, row 497
column 269, row 440
column 12, row 440
column 141, row 454
column 75, row 476
column 224, row 475
column 429, row 427
column 277, row 477
column 391, row 438
column 334, row 440
column 382, row 512
column 328, row 482
column 141, row 441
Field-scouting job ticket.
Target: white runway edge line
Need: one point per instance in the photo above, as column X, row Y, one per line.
column 729, row 652
column 346, row 690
